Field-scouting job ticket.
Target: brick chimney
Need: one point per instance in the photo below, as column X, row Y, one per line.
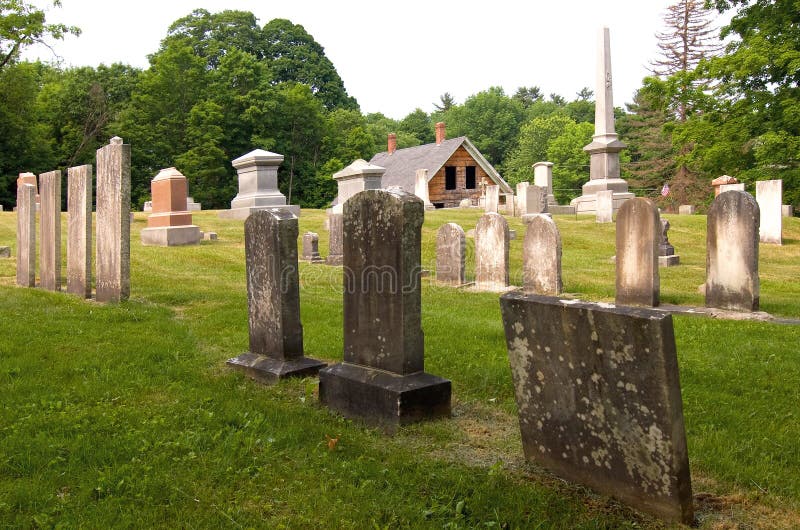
column 392, row 146
column 440, row 134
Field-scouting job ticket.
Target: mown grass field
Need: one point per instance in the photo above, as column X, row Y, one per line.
column 125, row 415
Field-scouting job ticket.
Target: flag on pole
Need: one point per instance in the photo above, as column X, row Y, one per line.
column 665, row 189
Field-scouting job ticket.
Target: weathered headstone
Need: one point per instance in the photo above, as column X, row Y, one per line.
column 723, row 180
column 29, row 178
column 604, row 210
column 536, row 200
column 599, row 398
column 50, row 227
column 491, row 253
column 311, row 247
column 257, row 173
column 79, row 231
column 492, row 199
column 666, row 252
column 113, row 233
column 421, row 188
column 687, row 209
column 732, row 252
column 638, row 237
column 769, row 196
column 357, row 177
column 273, row 300
column 543, row 177
column 541, row 257
column 26, row 235
column 451, row 245
column 335, row 239
column 170, row 223
column 5, row 252
column 787, row 210
column 382, row 378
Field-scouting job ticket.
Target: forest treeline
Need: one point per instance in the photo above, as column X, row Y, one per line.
column 221, row 84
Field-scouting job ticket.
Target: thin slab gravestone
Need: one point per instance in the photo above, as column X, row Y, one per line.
column 638, row 236
column 599, row 399
column 113, row 233
column 26, row 235
column 732, row 252
column 604, row 209
column 541, row 257
column 273, row 300
column 492, row 199
column 491, row 253
column 79, row 231
column 382, row 379
column 769, row 196
column 311, row 248
column 451, row 245
column 50, row 227
column 335, row 239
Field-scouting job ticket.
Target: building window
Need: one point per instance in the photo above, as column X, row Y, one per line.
column 470, row 178
column 449, row 177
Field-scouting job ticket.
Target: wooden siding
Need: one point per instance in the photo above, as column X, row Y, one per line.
column 450, row 198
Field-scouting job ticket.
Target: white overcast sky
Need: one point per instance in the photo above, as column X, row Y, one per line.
column 395, row 56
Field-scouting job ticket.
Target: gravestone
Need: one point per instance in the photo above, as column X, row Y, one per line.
column 273, row 300
column 492, row 199
column 638, row 237
column 491, row 253
column 50, row 227
column 686, row 209
column 666, row 252
column 543, row 177
column 30, row 178
column 732, row 252
column 723, row 180
column 357, row 177
column 79, row 231
column 335, row 239
column 451, row 245
column 311, row 248
column 604, row 210
column 5, row 252
column 170, row 221
column 536, row 200
column 257, row 173
column 193, row 206
column 769, row 196
column 382, row 378
column 421, row 188
column 732, row 187
column 522, row 198
column 541, row 257
column 599, row 398
column 26, row 235
column 113, row 232
column 787, row 210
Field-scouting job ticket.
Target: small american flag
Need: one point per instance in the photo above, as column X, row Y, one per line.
column 665, row 189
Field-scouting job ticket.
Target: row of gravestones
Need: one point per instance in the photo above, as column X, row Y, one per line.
column 113, row 228
column 596, row 385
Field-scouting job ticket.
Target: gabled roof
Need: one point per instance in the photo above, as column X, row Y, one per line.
column 402, row 165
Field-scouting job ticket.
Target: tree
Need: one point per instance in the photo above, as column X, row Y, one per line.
column 446, row 102
column 22, row 24
column 584, row 94
column 570, row 161
column 528, row 95
column 418, row 123
column 533, row 142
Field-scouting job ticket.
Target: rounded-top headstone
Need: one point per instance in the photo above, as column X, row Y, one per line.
column 638, row 237
column 491, row 252
column 450, row 254
column 541, row 257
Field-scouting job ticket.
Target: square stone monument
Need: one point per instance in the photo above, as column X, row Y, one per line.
column 258, row 185
column 543, row 177
column 170, row 223
column 357, row 177
column 382, row 379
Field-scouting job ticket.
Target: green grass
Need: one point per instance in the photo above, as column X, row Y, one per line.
column 125, row 415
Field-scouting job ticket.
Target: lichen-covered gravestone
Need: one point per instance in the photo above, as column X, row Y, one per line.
column 79, row 231
column 26, row 235
column 491, row 253
column 450, row 254
column 541, row 256
column 50, row 226
column 599, row 398
column 732, row 252
column 273, row 299
column 382, row 379
column 638, row 236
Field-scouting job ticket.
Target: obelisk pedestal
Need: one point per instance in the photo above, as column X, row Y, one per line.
column 258, row 185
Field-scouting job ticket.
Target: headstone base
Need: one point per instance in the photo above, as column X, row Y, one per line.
column 587, row 203
column 171, row 236
column 269, row 371
column 687, row 209
column 381, row 398
column 244, row 213
column 669, row 261
column 787, row 210
column 315, row 258
column 557, row 209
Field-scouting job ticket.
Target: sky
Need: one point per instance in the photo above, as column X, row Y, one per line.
column 396, row 56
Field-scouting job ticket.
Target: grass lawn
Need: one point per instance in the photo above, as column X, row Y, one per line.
column 125, row 415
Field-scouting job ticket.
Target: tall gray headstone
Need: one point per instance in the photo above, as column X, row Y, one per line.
column 732, row 252
column 492, row 199
column 273, row 300
column 604, row 210
column 113, row 232
column 79, row 231
column 769, row 196
column 335, row 239
column 491, row 253
column 26, row 235
column 638, row 237
column 599, row 399
column 382, row 378
column 541, row 257
column 50, row 226
column 311, row 247
column 451, row 245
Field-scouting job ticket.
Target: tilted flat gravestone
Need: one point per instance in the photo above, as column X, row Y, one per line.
column 335, row 239
column 50, row 226
column 79, row 231
column 604, row 210
column 26, row 235
column 113, row 233
column 599, row 398
column 382, row 379
column 638, row 236
column 273, row 300
column 732, row 252
column 541, row 257
column 769, row 196
column 311, row 247
column 451, row 246
column 491, row 253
